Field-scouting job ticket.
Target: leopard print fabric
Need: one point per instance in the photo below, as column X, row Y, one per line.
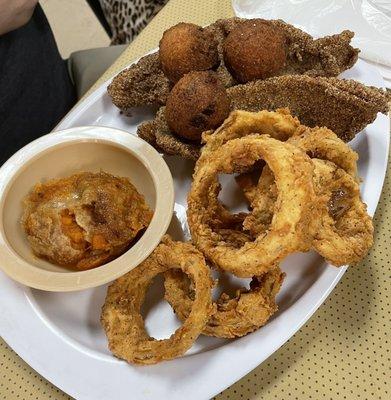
column 128, row 17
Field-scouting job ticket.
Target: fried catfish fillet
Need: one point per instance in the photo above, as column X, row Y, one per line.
column 145, row 84
column 344, row 106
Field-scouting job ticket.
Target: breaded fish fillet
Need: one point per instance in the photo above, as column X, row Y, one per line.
column 344, row 106
column 145, row 84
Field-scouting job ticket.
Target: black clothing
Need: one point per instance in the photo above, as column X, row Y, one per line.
column 35, row 88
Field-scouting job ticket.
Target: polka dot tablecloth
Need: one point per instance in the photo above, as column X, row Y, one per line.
column 343, row 352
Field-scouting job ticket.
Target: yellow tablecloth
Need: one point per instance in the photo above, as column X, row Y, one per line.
column 341, row 353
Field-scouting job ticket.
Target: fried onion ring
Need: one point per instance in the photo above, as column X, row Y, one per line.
column 345, row 233
column 263, row 204
column 121, row 318
column 235, row 317
column 317, row 142
column 222, row 218
column 324, row 144
column 248, row 183
column 278, row 124
column 294, row 213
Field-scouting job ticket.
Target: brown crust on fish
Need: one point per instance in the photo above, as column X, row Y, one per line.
column 145, row 84
column 327, row 56
column 159, row 135
column 344, row 106
column 142, row 84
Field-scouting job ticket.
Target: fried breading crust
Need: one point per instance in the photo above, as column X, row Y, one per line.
column 121, row 318
column 142, row 84
column 345, row 234
column 261, row 193
column 327, row 56
column 324, row 144
column 344, row 106
column 292, row 226
column 197, row 102
column 159, row 135
column 187, row 47
column 319, row 143
column 235, row 316
column 145, row 84
column 256, row 49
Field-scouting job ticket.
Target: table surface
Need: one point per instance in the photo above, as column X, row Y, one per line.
column 341, row 353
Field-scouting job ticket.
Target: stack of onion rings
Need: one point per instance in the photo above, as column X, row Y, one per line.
column 296, row 205
column 303, row 190
column 342, row 239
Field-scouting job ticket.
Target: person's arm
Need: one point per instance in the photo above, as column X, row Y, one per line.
column 15, row 13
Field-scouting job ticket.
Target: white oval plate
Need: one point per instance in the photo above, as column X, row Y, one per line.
column 60, row 336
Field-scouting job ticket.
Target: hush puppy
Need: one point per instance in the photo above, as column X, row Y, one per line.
column 254, row 50
column 198, row 102
column 186, row 47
